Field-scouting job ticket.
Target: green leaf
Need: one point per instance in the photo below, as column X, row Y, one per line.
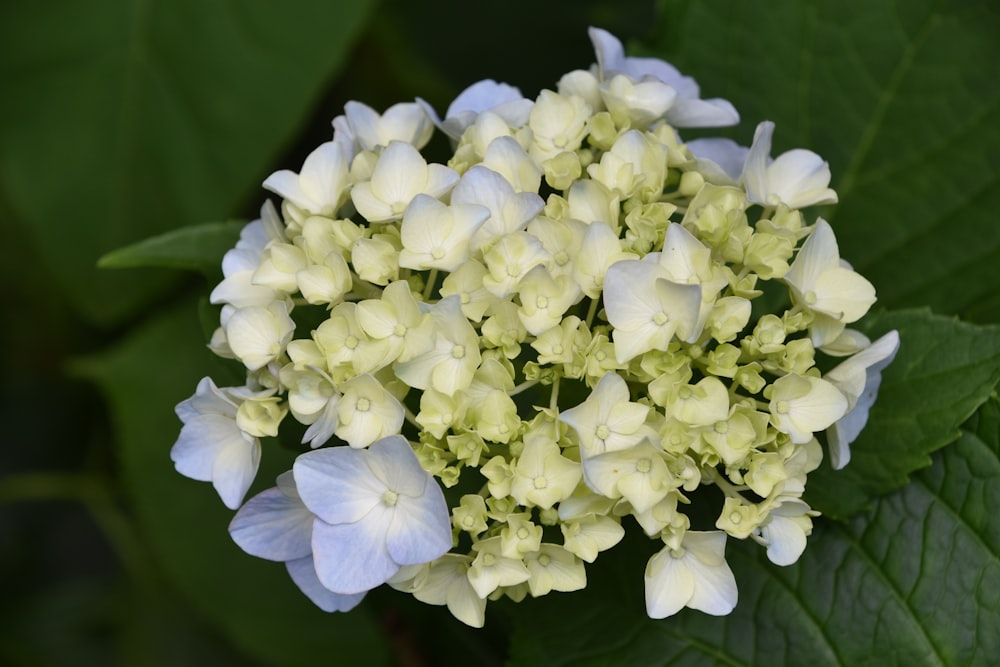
column 915, row 581
column 253, row 601
column 198, row 248
column 944, row 371
column 900, row 97
column 124, row 119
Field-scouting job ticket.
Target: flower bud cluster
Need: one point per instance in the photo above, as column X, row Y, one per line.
column 570, row 323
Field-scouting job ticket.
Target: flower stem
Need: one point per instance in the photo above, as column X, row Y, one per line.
column 364, row 288
column 429, row 287
column 592, row 311
column 527, row 384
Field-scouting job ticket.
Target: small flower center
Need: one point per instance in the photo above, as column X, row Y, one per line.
column 458, row 352
column 643, row 465
column 660, row 318
column 782, row 407
column 399, row 330
column 721, row 427
column 364, row 405
column 542, row 302
column 437, row 253
column 544, row 560
column 522, row 533
column 602, row 431
column 541, row 482
column 389, row 498
column 810, row 298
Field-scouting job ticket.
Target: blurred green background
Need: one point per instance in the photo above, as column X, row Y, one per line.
column 122, row 119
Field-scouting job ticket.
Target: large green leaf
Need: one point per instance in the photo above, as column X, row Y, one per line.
column 254, row 601
column 944, row 371
column 903, row 99
column 125, row 118
column 915, row 581
column 195, row 248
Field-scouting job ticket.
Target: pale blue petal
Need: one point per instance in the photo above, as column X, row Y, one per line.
column 303, row 573
column 609, row 51
column 200, row 442
column 273, row 526
column 392, row 461
column 336, row 484
column 481, row 96
column 721, row 158
column 421, row 528
column 352, row 557
column 234, row 471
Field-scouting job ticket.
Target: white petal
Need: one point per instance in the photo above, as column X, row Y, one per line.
column 755, row 168
column 683, row 304
column 669, row 584
column 800, row 178
column 285, row 183
column 628, row 301
column 715, row 589
column 440, row 180
column 843, row 294
column 408, row 122
column 401, row 173
column 207, row 398
column 819, row 253
column 364, row 124
column 693, row 112
column 785, row 540
column 681, row 251
column 368, row 204
column 324, row 178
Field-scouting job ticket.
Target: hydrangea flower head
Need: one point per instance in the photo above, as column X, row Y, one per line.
column 495, row 361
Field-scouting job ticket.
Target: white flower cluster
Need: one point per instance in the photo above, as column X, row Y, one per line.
column 558, row 327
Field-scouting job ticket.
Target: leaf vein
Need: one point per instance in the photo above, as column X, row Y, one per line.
column 867, row 140
column 897, row 594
